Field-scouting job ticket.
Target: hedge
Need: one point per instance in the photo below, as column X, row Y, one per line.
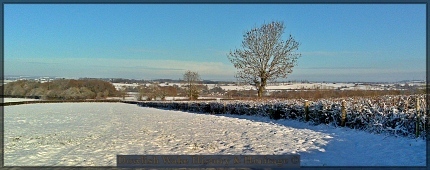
column 395, row 115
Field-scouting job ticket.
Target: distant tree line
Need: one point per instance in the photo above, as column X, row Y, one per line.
column 63, row 89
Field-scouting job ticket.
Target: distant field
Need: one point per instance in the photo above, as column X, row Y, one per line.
column 292, row 86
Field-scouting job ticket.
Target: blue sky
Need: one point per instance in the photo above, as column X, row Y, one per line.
column 357, row 42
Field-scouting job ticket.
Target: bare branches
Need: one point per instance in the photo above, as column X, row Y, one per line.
column 191, row 78
column 265, row 56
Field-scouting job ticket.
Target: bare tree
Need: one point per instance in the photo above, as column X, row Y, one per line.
column 191, row 78
column 154, row 91
column 265, row 56
column 148, row 91
column 123, row 92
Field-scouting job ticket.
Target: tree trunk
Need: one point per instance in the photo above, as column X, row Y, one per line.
column 262, row 87
column 260, row 91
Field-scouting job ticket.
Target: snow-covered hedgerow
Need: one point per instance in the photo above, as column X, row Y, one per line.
column 396, row 115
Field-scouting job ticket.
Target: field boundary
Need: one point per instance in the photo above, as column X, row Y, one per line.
column 393, row 115
column 60, row 101
column 97, row 101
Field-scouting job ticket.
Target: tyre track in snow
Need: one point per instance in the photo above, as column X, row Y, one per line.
column 78, row 155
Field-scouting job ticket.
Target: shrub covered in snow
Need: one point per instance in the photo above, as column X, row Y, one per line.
column 396, row 115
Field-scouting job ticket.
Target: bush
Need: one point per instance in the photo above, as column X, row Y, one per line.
column 376, row 115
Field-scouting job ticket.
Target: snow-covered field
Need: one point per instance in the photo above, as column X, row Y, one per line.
column 8, row 100
column 92, row 134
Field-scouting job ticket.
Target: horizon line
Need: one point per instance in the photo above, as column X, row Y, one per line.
column 215, row 80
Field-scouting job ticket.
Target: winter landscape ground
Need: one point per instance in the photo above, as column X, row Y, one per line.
column 7, row 100
column 92, row 134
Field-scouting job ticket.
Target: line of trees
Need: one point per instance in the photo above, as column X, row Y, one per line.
column 155, row 91
column 192, row 90
column 65, row 89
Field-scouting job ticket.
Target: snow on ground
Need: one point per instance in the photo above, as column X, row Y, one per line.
column 128, row 98
column 92, row 134
column 233, row 87
column 8, row 100
column 167, row 98
column 121, row 85
column 168, row 84
column 175, row 98
column 297, row 86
